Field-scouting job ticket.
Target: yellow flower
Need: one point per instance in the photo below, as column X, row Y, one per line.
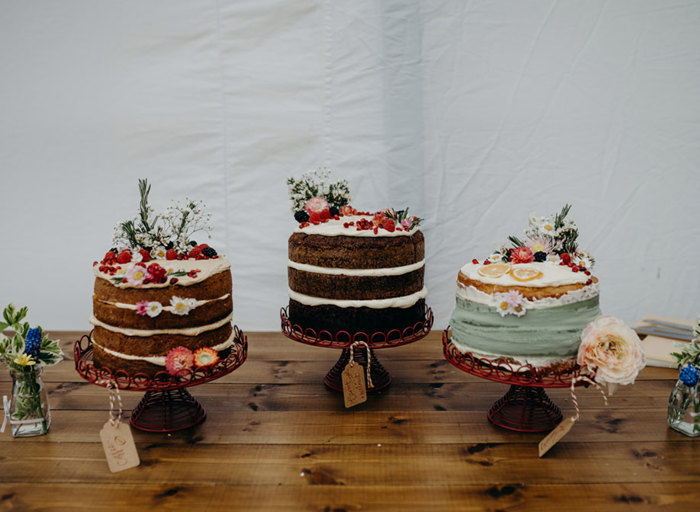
column 25, row 360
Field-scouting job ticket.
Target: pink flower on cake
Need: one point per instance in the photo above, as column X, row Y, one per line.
column 510, row 303
column 205, row 357
column 142, row 308
column 179, row 361
column 318, row 209
column 348, row 210
column 137, row 274
column 521, row 255
column 539, row 245
column 611, row 351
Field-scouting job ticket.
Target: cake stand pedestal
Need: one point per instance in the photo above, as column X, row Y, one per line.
column 381, row 378
column 525, row 407
column 167, row 405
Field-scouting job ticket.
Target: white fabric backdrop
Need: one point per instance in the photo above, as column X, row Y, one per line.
column 474, row 114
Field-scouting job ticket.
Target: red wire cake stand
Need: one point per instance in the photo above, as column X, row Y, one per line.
column 167, row 406
column 381, row 378
column 525, row 407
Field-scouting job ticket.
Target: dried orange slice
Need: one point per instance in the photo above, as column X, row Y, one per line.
column 523, row 274
column 494, row 270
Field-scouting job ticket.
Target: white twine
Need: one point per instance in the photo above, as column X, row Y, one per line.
column 369, row 360
column 573, row 394
column 114, row 396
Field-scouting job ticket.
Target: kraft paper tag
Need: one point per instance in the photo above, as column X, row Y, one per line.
column 555, row 435
column 354, row 388
column 119, row 447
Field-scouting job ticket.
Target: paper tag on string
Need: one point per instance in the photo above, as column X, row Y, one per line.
column 555, row 435
column 354, row 388
column 119, row 446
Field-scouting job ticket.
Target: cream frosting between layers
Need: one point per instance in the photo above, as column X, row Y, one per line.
column 189, row 331
column 208, row 268
column 553, row 274
column 371, row 272
column 170, row 309
column 405, row 301
column 473, row 294
column 335, row 228
column 160, row 360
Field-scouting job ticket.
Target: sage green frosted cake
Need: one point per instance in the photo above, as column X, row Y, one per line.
column 529, row 303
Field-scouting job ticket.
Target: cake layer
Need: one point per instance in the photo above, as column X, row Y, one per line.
column 353, row 286
column 125, row 315
column 158, row 343
column 333, row 318
column 549, row 333
column 216, row 286
column 349, row 252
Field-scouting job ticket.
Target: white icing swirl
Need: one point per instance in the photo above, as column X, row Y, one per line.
column 390, row 271
column 186, row 331
column 553, row 274
column 335, row 228
column 393, row 302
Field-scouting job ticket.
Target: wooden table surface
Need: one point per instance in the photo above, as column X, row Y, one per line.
column 276, row 439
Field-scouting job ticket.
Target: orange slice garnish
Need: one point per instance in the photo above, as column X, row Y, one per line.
column 494, row 270
column 524, row 274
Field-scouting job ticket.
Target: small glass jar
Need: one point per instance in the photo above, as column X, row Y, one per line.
column 684, row 409
column 28, row 409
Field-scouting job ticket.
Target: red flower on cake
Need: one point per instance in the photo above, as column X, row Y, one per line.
column 179, row 361
column 521, row 255
column 205, row 356
column 318, row 209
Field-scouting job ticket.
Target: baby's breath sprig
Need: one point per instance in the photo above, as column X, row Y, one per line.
column 313, row 184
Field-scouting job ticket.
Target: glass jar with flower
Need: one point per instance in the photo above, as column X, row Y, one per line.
column 684, row 402
column 25, row 354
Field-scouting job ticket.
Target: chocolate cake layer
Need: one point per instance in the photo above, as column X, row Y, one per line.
column 355, row 287
column 158, row 344
column 356, row 252
column 203, row 314
column 368, row 320
column 214, row 287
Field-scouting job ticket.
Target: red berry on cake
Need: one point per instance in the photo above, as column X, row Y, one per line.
column 124, row 256
column 521, row 255
column 145, row 256
column 389, row 225
column 170, row 254
column 565, row 257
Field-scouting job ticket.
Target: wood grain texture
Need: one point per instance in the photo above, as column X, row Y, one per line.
column 276, row 439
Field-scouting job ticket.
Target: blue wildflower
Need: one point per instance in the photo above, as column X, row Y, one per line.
column 689, row 375
column 32, row 344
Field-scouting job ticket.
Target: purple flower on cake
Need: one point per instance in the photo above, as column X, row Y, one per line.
column 179, row 361
column 142, row 308
column 611, row 350
column 137, row 274
column 182, row 306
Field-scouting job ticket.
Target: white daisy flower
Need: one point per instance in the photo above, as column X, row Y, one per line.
column 158, row 253
column 182, row 306
column 153, row 309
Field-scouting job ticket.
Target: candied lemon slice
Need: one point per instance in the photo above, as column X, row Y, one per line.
column 523, row 274
column 494, row 270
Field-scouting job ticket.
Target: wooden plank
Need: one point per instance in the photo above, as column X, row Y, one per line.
column 341, row 498
column 366, row 465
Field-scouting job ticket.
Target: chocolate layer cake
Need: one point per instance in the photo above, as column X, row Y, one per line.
column 137, row 323
column 343, row 278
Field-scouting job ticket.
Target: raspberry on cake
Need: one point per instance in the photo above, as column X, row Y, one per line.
column 159, row 292
column 352, row 271
column 525, row 309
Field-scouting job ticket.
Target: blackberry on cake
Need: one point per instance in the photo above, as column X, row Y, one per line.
column 159, row 295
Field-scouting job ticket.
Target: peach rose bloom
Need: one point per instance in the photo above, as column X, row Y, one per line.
column 612, row 350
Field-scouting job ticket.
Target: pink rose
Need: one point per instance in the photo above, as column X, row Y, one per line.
column 612, row 351
column 318, row 209
column 521, row 255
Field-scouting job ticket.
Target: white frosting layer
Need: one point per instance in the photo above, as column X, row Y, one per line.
column 335, row 228
column 553, row 274
column 208, row 268
column 160, row 360
column 122, row 305
column 393, row 302
column 391, row 271
column 474, row 295
column 188, row 331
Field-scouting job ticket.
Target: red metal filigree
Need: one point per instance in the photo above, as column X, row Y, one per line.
column 167, row 405
column 381, row 378
column 525, row 407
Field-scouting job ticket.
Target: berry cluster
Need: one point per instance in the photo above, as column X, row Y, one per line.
column 109, row 265
column 524, row 255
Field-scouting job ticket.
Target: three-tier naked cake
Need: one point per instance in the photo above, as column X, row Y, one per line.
column 352, row 271
column 161, row 301
column 529, row 303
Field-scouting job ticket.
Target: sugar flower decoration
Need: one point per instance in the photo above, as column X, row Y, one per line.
column 179, row 361
column 611, row 351
column 137, row 274
column 182, row 306
column 510, row 303
column 205, row 357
